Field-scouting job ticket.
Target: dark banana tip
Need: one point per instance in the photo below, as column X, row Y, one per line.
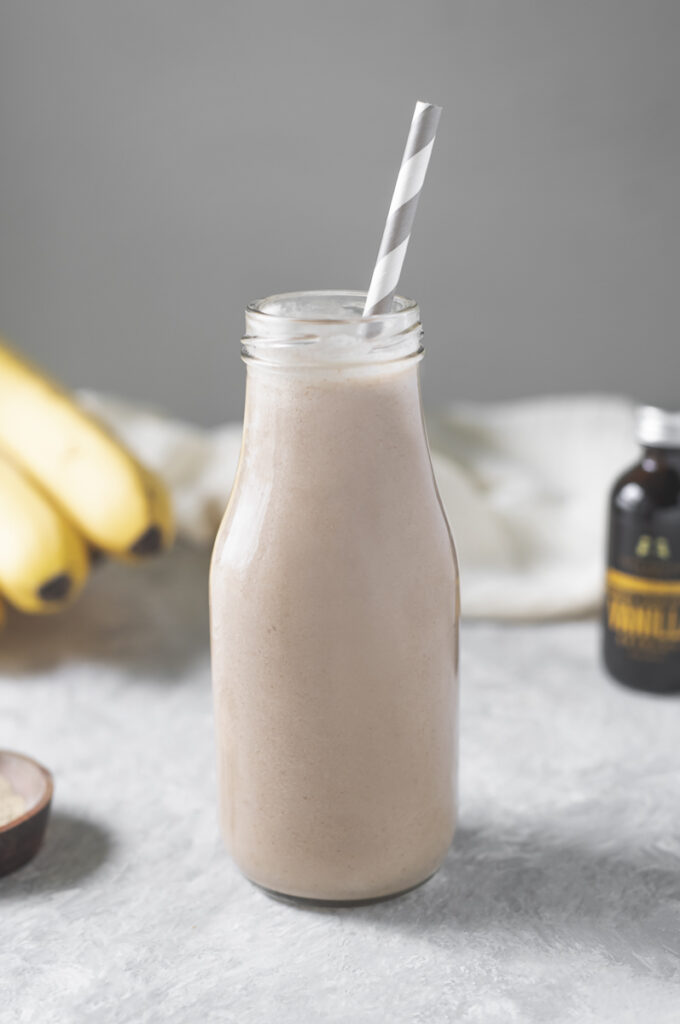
column 97, row 556
column 56, row 589
column 150, row 543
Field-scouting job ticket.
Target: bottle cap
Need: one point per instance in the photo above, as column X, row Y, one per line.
column 657, row 428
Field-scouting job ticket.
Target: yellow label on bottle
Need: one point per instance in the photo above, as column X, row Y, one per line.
column 643, row 612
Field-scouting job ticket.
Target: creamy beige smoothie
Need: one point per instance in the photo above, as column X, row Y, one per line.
column 334, row 619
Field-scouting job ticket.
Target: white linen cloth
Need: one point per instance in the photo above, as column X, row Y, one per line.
column 524, row 484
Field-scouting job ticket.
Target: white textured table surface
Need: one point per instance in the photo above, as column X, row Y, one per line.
column 560, row 900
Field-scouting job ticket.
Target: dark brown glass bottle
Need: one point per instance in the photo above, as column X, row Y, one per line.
column 642, row 607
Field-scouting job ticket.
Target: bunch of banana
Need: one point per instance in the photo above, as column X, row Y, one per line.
column 68, row 489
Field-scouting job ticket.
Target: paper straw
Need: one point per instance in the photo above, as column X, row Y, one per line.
column 403, row 208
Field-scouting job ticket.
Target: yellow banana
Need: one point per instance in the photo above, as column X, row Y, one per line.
column 117, row 504
column 43, row 560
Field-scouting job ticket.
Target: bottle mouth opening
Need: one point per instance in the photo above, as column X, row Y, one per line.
column 328, row 328
column 326, row 307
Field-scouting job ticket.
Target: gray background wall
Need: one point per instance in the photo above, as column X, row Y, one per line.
column 162, row 162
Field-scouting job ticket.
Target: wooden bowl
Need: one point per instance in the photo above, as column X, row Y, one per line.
column 21, row 838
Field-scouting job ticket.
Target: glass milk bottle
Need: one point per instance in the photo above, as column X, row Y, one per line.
column 334, row 611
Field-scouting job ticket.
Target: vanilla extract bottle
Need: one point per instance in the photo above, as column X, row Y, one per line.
column 642, row 608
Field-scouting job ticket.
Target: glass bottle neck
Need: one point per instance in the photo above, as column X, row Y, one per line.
column 314, row 413
column 658, row 458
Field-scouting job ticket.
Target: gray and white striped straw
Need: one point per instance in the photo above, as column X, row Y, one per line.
column 402, row 209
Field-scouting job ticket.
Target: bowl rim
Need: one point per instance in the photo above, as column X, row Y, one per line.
column 45, row 799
